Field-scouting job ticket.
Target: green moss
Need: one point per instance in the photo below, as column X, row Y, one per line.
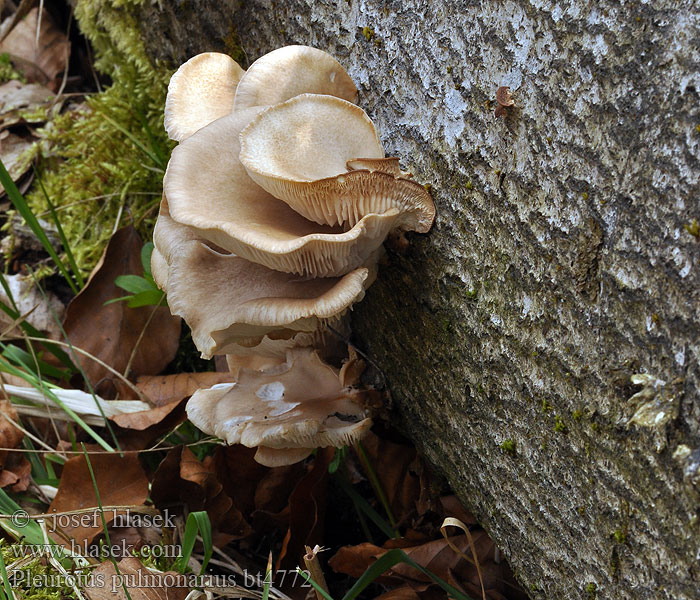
column 508, row 446
column 103, row 166
column 36, row 581
column 559, row 425
column 577, row 415
column 113, row 29
column 368, row 33
column 620, row 536
column 7, row 71
column 591, row 589
column 546, row 406
column 232, row 42
column 469, row 185
column 693, row 228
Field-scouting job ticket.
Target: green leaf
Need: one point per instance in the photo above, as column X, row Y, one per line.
column 133, row 283
column 149, row 298
column 146, row 252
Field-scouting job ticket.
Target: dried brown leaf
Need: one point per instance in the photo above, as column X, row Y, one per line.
column 14, row 154
column 15, row 469
column 397, row 469
column 16, row 97
column 438, row 558
column 105, row 584
column 120, row 481
column 307, row 509
column 16, row 473
column 48, row 54
column 259, row 492
column 183, row 484
column 111, row 332
column 504, row 97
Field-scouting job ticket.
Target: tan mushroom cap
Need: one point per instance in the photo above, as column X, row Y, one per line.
column 201, row 91
column 299, row 404
column 281, row 457
column 209, row 190
column 389, row 165
column 290, row 71
column 299, row 150
column 225, row 298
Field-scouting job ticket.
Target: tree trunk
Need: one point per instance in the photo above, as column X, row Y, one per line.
column 564, row 260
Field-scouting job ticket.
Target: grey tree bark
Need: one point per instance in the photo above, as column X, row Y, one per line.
column 564, row 260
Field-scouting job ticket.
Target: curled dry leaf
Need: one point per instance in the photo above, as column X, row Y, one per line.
column 41, row 60
column 437, row 557
column 253, row 487
column 114, row 331
column 120, row 482
column 504, row 97
column 10, row 436
column 397, row 469
column 16, row 154
column 15, row 469
column 307, row 510
column 16, row 473
column 167, row 392
column 16, row 97
column 105, row 584
column 183, row 482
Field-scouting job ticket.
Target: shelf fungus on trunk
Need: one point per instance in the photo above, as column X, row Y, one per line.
column 276, row 203
column 280, row 412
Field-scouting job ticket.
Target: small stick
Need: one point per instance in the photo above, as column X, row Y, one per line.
column 314, row 567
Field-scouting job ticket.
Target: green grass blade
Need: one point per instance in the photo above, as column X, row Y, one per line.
column 5, row 366
column 31, row 531
column 7, row 588
column 64, row 240
column 23, row 209
column 374, row 480
column 197, row 522
column 315, row 585
column 30, row 330
column 204, row 526
column 364, row 506
column 156, row 160
column 23, row 359
column 267, row 582
column 388, row 560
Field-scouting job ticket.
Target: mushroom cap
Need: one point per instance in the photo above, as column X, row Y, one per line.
column 280, row 457
column 290, row 71
column 225, row 298
column 389, row 165
column 209, row 190
column 201, row 91
column 299, row 150
column 299, row 404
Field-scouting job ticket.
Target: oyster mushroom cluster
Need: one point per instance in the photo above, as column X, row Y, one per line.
column 276, row 203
